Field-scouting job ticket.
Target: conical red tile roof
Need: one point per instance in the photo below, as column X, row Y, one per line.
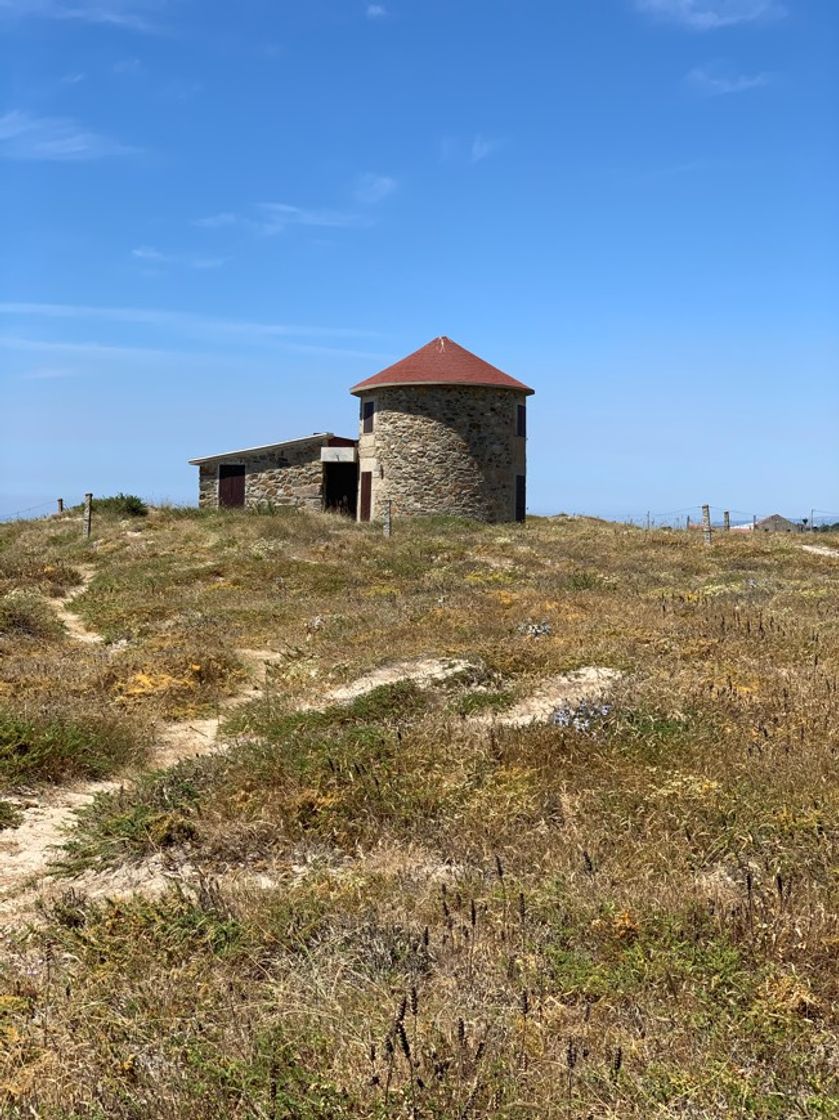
column 441, row 362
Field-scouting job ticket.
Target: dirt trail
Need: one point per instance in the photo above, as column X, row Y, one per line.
column 72, row 623
column 430, row 670
column 27, row 851
column 821, row 550
column 589, row 683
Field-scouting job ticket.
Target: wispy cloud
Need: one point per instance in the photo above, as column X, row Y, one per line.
column 130, row 15
column 219, row 221
column 47, row 373
column 710, row 15
column 716, row 81
column 370, row 188
column 276, row 217
column 74, row 349
column 273, row 218
column 70, row 350
column 376, row 11
column 127, row 67
column 483, row 146
column 26, row 136
column 176, row 322
column 474, row 150
column 155, row 257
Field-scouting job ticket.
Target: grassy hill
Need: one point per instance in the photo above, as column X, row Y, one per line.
column 403, row 901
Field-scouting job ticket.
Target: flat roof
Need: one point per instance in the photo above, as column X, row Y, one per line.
column 265, row 447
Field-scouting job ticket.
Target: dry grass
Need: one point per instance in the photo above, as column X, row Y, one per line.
column 393, row 911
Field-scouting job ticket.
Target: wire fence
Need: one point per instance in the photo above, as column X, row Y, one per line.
column 691, row 517
column 686, row 517
column 30, row 513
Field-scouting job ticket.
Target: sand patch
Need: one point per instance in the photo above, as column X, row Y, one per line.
column 589, row 683
column 74, row 626
column 430, row 670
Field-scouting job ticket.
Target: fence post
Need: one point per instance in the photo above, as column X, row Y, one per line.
column 61, row 505
column 387, row 517
column 706, row 524
column 87, row 515
column 726, row 521
column 687, row 522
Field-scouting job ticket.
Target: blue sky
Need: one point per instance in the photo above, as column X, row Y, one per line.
column 217, row 217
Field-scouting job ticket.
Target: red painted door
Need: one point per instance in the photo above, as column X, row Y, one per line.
column 366, row 495
column 231, row 485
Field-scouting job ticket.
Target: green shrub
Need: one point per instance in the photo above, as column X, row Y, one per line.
column 52, row 744
column 483, row 700
column 10, row 815
column 160, row 810
column 24, row 614
column 31, row 570
column 124, row 505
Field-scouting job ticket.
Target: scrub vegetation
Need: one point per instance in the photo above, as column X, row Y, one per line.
column 399, row 907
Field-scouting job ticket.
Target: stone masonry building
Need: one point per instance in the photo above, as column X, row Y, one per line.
column 440, row 432
column 443, row 431
column 317, row 471
column 777, row 524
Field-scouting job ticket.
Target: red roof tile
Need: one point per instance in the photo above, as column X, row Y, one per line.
column 441, row 362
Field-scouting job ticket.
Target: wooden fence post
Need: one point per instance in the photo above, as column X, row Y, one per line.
column 387, row 517
column 61, row 505
column 726, row 521
column 87, row 515
column 706, row 524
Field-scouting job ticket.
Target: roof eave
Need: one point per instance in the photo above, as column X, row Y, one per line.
column 264, row 447
column 367, row 387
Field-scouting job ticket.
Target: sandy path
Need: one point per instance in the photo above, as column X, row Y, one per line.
column 72, row 623
column 821, row 550
column 27, row 851
column 589, row 683
column 430, row 670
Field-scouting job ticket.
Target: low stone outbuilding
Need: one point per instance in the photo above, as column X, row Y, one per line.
column 440, row 432
column 318, row 471
column 777, row 524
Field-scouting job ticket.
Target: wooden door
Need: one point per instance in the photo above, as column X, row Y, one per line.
column 521, row 497
column 231, row 485
column 366, row 495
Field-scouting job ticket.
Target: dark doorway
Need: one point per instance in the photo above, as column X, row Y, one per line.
column 366, row 495
column 231, row 486
column 340, row 487
column 521, row 497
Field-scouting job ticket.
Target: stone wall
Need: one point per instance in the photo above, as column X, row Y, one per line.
column 444, row 449
column 287, row 476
